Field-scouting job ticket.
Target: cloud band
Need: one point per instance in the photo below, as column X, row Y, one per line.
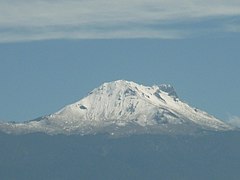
column 93, row 19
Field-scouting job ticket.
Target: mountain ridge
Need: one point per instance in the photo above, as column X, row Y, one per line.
column 124, row 107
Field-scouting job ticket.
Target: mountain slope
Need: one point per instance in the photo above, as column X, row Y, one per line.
column 122, row 107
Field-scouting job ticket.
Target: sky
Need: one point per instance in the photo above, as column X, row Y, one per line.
column 52, row 53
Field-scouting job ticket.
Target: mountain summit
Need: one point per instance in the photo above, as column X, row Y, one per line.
column 124, row 107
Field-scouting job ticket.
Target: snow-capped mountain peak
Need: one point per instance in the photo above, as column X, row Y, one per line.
column 124, row 106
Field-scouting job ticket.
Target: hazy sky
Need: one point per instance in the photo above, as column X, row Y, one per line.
column 76, row 19
column 53, row 53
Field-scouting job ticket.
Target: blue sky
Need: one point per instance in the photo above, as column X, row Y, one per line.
column 53, row 53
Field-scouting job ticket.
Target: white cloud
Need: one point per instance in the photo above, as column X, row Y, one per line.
column 234, row 121
column 54, row 19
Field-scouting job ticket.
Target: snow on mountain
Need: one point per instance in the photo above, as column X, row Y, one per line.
column 124, row 107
